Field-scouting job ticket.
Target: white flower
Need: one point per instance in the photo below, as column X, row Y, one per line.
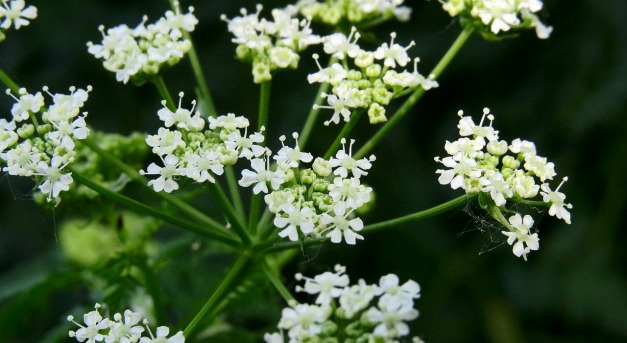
column 467, row 127
column 390, row 318
column 162, row 336
column 333, row 74
column 522, row 146
column 344, row 162
column 94, row 323
column 558, row 208
column 349, row 191
column 248, row 147
column 340, row 46
column 14, row 13
column 303, row 320
column 201, row 164
column 525, row 242
column 127, row 330
column 394, row 53
column 229, row 122
column 55, row 181
column 327, row 285
column 25, row 104
column 182, row 118
column 288, row 157
column 260, row 176
column 404, row 293
column 339, row 225
column 297, row 217
column 283, row 57
column 540, row 167
column 8, row 137
column 357, row 297
column 167, row 173
column 165, row 141
column 499, row 188
column 456, row 176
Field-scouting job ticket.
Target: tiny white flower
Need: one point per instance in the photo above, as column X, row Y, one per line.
column 340, row 46
column 558, row 208
column 165, row 182
column 327, row 285
column 297, row 218
column 13, row 12
column 394, row 53
column 343, row 162
column 525, row 241
column 339, row 226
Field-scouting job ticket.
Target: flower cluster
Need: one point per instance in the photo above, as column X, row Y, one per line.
column 142, row 52
column 354, row 11
column 43, row 149
column 124, row 328
column 358, row 312
column 499, row 15
column 15, row 13
column 270, row 44
column 317, row 202
column 503, row 173
column 372, row 83
column 186, row 150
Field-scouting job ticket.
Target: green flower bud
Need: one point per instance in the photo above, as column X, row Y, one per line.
column 26, row 130
column 242, row 52
column 497, row 148
column 510, row 162
column 43, row 129
column 354, row 14
column 322, row 167
column 354, row 75
column 307, row 176
column 373, row 71
column 376, row 114
column 382, row 96
column 364, row 59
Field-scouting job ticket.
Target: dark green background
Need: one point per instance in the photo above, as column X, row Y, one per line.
column 567, row 94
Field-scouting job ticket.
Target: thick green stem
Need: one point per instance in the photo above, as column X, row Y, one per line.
column 385, row 225
column 165, row 94
column 227, row 284
column 141, row 208
column 271, row 274
column 264, row 104
column 253, row 216
column 346, row 130
column 206, row 101
column 416, row 95
column 9, row 82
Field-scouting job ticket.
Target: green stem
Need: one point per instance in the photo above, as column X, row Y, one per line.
column 234, row 190
column 313, row 113
column 276, row 281
column 163, row 91
column 141, row 208
column 264, row 104
column 227, row 284
column 253, row 222
column 385, row 225
column 416, row 95
column 9, row 82
column 346, row 130
column 135, row 176
column 206, row 102
column 236, row 222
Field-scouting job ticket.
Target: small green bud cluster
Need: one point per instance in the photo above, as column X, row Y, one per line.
column 319, row 201
column 372, row 83
column 270, row 45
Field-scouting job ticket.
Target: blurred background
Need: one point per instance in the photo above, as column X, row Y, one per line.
column 568, row 94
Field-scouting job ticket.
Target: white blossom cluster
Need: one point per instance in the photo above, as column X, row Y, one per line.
column 358, row 312
column 142, row 52
column 15, row 13
column 124, row 328
column 270, row 44
column 187, row 150
column 354, row 11
column 373, row 81
column 312, row 202
column 500, row 15
column 42, row 149
column 479, row 162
